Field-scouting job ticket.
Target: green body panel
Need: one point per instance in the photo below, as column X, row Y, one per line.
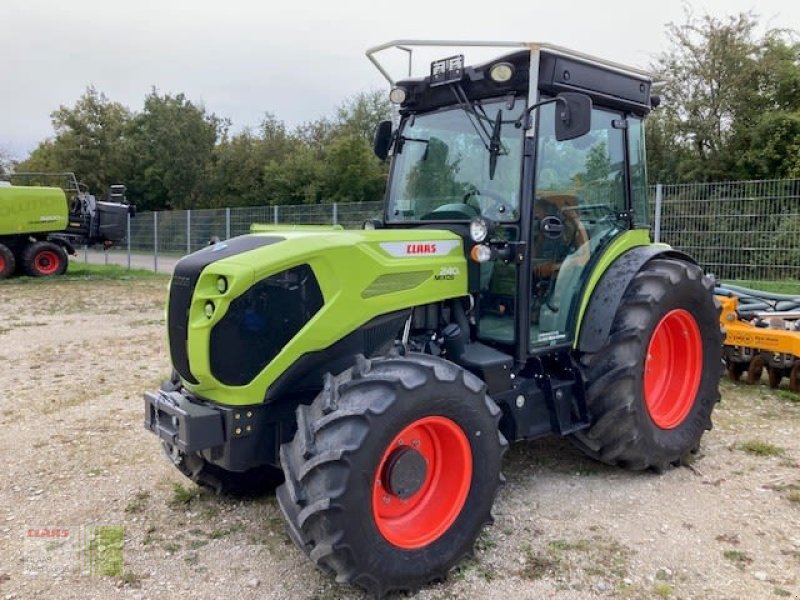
column 623, row 243
column 264, row 228
column 359, row 277
column 26, row 210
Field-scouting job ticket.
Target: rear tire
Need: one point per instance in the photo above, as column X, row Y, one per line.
column 357, row 511
column 7, row 262
column 650, row 403
column 44, row 259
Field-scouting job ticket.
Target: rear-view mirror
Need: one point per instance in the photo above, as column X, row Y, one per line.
column 383, row 139
column 573, row 116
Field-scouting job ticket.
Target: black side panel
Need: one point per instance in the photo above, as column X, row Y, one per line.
column 608, row 293
column 371, row 339
column 606, row 87
column 184, row 280
column 260, row 322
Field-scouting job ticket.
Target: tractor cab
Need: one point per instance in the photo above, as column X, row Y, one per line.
column 537, row 159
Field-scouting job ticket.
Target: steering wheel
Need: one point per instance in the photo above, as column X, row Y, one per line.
column 495, row 208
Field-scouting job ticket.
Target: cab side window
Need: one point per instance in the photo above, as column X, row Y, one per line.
column 580, row 191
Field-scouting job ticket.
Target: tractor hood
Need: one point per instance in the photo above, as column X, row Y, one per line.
column 242, row 312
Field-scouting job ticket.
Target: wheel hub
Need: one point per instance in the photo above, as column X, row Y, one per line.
column 673, row 368
column 422, row 481
column 405, row 472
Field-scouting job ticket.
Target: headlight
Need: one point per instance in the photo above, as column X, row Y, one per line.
column 397, row 95
column 501, row 72
column 222, row 285
column 478, row 229
column 480, row 253
column 209, row 309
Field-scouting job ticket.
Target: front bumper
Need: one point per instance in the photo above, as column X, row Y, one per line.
column 236, row 439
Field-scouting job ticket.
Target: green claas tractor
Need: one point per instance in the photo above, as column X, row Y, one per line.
column 510, row 290
column 40, row 225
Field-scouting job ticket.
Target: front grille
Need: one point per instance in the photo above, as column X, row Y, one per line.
column 261, row 322
column 184, row 280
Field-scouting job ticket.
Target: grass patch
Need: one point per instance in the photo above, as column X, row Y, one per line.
column 131, row 579
column 80, row 270
column 182, row 496
column 171, row 547
column 738, row 558
column 138, row 502
column 662, row 590
column 537, row 565
column 786, row 286
column 596, row 557
column 759, row 448
column 789, row 396
column 793, row 497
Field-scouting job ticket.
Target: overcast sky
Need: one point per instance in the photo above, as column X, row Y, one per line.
column 295, row 58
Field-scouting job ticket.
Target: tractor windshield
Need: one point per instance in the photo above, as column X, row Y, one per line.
column 444, row 170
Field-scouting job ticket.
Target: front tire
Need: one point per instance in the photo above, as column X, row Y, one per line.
column 393, row 472
column 652, row 389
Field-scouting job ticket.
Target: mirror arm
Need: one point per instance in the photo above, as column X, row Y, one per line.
column 524, row 120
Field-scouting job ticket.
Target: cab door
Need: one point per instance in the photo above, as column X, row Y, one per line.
column 579, row 198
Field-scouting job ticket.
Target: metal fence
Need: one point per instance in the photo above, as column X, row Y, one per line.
column 737, row 230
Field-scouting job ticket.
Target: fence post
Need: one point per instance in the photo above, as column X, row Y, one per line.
column 128, row 235
column 188, row 231
column 275, row 214
column 86, row 253
column 335, row 213
column 657, row 224
column 155, row 241
column 228, row 223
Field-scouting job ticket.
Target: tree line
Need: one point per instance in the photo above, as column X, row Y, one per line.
column 174, row 154
column 730, row 110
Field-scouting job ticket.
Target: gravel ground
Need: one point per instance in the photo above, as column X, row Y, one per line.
column 75, row 357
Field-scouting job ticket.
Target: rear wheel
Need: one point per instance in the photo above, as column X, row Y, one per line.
column 393, row 472
column 7, row 262
column 652, row 389
column 44, row 259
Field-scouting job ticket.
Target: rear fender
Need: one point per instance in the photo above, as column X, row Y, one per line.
column 606, row 296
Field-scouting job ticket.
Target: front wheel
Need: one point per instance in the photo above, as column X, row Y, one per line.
column 393, row 472
column 652, row 389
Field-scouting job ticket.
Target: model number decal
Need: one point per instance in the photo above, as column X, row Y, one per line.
column 447, row 274
column 412, row 249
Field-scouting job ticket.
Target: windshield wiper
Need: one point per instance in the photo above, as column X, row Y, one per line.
column 494, row 144
column 491, row 141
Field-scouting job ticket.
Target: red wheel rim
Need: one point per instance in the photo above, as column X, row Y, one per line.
column 423, row 517
column 47, row 262
column 2, row 263
column 672, row 368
